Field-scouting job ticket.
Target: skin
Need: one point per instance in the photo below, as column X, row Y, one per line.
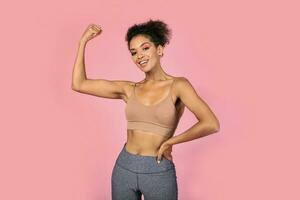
column 150, row 91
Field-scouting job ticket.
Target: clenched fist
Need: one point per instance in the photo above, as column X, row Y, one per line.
column 91, row 32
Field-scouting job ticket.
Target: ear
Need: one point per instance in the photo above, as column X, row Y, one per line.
column 160, row 50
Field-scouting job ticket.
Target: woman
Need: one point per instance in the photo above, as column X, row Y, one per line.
column 153, row 108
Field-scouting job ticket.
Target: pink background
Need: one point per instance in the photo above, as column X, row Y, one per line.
column 242, row 57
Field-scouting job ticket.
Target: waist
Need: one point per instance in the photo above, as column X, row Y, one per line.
column 143, row 143
column 142, row 164
column 138, row 151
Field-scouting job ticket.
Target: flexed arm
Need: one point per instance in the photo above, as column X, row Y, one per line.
column 79, row 74
column 114, row 89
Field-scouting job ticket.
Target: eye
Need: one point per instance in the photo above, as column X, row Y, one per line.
column 133, row 53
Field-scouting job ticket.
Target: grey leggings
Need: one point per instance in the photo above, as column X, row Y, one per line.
column 136, row 175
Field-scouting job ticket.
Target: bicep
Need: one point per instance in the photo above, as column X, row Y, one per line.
column 194, row 102
column 114, row 89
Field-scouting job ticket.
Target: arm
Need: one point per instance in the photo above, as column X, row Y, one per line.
column 97, row 87
column 79, row 74
column 207, row 121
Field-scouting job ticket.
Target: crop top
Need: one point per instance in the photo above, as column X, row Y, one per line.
column 161, row 118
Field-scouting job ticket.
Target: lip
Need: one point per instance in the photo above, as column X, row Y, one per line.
column 141, row 61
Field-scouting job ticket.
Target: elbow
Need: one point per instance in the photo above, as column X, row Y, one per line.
column 216, row 129
column 214, row 126
column 76, row 85
column 75, row 88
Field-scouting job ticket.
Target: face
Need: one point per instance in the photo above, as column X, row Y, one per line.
column 142, row 49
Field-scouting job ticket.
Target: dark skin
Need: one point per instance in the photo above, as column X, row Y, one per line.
column 149, row 91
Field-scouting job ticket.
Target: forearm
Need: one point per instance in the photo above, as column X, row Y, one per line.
column 79, row 73
column 200, row 129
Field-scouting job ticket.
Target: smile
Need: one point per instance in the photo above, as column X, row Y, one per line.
column 143, row 62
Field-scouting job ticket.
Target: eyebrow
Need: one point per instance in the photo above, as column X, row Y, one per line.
column 140, row 45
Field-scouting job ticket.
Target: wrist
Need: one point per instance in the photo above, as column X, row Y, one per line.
column 82, row 42
column 169, row 141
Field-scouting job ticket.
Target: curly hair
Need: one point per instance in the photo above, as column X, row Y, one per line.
column 156, row 30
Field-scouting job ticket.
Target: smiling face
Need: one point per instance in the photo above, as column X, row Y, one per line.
column 142, row 49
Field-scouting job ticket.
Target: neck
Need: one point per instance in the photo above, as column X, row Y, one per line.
column 156, row 74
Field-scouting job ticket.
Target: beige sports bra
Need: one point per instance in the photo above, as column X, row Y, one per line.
column 161, row 118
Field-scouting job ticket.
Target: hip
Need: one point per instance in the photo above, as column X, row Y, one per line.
column 143, row 163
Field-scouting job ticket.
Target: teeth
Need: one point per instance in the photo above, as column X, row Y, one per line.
column 144, row 61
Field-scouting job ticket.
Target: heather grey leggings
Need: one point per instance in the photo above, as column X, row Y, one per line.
column 135, row 175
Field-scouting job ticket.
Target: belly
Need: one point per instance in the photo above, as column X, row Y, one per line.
column 143, row 143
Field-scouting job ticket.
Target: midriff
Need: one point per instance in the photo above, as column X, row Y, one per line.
column 143, row 143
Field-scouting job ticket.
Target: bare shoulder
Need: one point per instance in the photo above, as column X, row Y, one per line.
column 181, row 83
column 181, row 80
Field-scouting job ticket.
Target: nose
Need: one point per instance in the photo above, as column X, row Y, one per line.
column 140, row 55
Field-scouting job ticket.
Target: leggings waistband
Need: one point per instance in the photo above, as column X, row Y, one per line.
column 142, row 164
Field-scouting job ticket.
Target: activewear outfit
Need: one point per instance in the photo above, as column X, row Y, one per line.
column 136, row 175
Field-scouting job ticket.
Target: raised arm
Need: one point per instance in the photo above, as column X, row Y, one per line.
column 114, row 89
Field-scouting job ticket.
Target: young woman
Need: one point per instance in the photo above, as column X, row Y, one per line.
column 154, row 107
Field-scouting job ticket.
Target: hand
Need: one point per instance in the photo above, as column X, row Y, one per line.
column 165, row 150
column 91, row 32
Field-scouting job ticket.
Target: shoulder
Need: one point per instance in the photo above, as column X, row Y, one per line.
column 182, row 85
column 124, row 84
column 180, row 78
column 182, row 82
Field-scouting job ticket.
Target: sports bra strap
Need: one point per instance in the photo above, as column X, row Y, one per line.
column 170, row 91
column 172, row 85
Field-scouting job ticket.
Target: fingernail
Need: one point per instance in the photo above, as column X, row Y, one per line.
column 158, row 161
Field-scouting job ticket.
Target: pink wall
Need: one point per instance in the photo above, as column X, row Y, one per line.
column 240, row 56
